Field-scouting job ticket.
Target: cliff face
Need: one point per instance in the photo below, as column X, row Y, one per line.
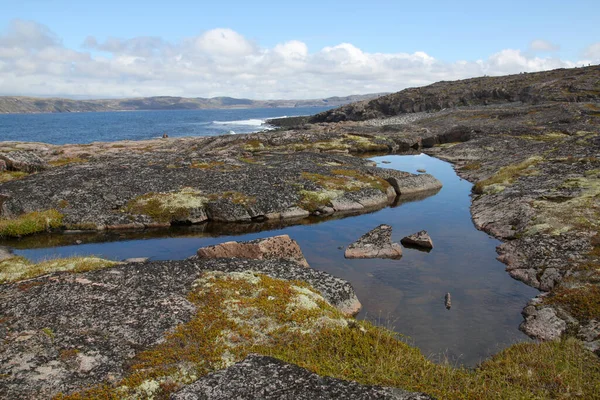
column 17, row 105
column 561, row 85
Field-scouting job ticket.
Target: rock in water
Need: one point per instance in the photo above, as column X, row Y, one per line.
column 276, row 247
column 262, row 377
column 448, row 301
column 375, row 244
column 5, row 253
column 419, row 239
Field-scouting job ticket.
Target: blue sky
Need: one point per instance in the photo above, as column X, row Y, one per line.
column 545, row 34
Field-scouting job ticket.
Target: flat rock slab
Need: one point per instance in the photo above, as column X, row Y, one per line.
column 62, row 332
column 375, row 244
column 419, row 239
column 276, row 247
column 261, row 377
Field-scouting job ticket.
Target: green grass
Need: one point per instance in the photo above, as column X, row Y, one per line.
column 507, row 175
column 581, row 302
column 30, row 223
column 6, row 176
column 68, row 160
column 244, row 313
column 19, row 268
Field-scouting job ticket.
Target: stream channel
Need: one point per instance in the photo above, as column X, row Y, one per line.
column 406, row 295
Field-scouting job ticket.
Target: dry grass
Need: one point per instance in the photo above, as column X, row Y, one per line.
column 19, row 268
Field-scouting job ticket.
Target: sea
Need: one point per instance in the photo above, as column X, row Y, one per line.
column 88, row 127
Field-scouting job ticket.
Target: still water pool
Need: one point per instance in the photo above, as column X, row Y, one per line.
column 406, row 295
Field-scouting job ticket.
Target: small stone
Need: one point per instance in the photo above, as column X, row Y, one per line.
column 422, row 171
column 448, row 301
column 375, row 244
column 419, row 239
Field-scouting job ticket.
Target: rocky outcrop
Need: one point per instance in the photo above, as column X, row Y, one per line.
column 276, row 247
column 405, row 183
column 561, row 85
column 261, row 377
column 67, row 331
column 24, row 161
column 376, row 243
column 420, row 239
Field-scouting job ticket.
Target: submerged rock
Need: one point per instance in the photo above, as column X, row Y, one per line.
column 375, row 244
column 5, row 253
column 275, row 247
column 419, row 239
column 262, row 377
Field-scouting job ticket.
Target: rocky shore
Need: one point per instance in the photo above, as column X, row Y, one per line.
column 529, row 143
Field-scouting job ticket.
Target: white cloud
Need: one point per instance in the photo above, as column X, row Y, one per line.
column 593, row 52
column 222, row 62
column 543, row 45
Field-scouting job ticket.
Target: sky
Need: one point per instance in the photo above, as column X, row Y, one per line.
column 281, row 49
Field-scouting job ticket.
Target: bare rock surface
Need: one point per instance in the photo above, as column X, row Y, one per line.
column 67, row 331
column 128, row 189
column 376, row 243
column 5, row 253
column 419, row 239
column 275, row 247
column 261, row 377
column 25, row 161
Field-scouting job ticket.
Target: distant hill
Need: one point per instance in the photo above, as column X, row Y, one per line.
column 18, row 104
column 559, row 85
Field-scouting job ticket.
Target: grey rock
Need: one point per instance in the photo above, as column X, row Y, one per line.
column 110, row 315
column 137, row 260
column 419, row 239
column 261, row 377
column 542, row 323
column 376, row 243
column 26, row 161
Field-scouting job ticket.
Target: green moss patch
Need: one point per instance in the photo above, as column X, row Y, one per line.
column 507, row 175
column 30, row 223
column 581, row 211
column 166, row 207
column 19, row 268
column 6, row 176
column 68, row 160
column 582, row 302
column 474, row 166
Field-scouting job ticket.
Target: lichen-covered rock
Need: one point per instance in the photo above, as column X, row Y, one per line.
column 5, row 253
column 25, row 161
column 419, row 239
column 63, row 332
column 405, row 183
column 376, row 243
column 542, row 322
column 261, row 377
column 275, row 247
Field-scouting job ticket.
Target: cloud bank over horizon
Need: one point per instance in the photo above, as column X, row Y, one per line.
column 222, row 62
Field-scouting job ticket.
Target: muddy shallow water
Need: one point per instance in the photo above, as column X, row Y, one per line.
column 406, row 294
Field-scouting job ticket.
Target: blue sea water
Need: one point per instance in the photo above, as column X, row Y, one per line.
column 62, row 128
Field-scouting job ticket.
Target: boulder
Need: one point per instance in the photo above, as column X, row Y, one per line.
column 276, row 247
column 419, row 239
column 407, row 183
column 25, row 161
column 262, row 377
column 375, row 244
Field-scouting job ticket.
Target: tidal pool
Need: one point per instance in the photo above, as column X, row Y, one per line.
column 406, row 295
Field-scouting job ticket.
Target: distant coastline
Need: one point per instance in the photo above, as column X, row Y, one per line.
column 35, row 105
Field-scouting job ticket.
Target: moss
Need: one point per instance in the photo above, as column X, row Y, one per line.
column 48, row 332
column 253, row 145
column 6, row 176
column 507, row 175
column 30, row 223
column 312, row 200
column 68, row 160
column 581, row 211
column 166, row 207
column 544, row 137
column 234, row 197
column 19, row 268
column 582, row 302
column 474, row 166
column 207, row 165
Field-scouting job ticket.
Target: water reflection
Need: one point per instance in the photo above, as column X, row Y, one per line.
column 406, row 294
